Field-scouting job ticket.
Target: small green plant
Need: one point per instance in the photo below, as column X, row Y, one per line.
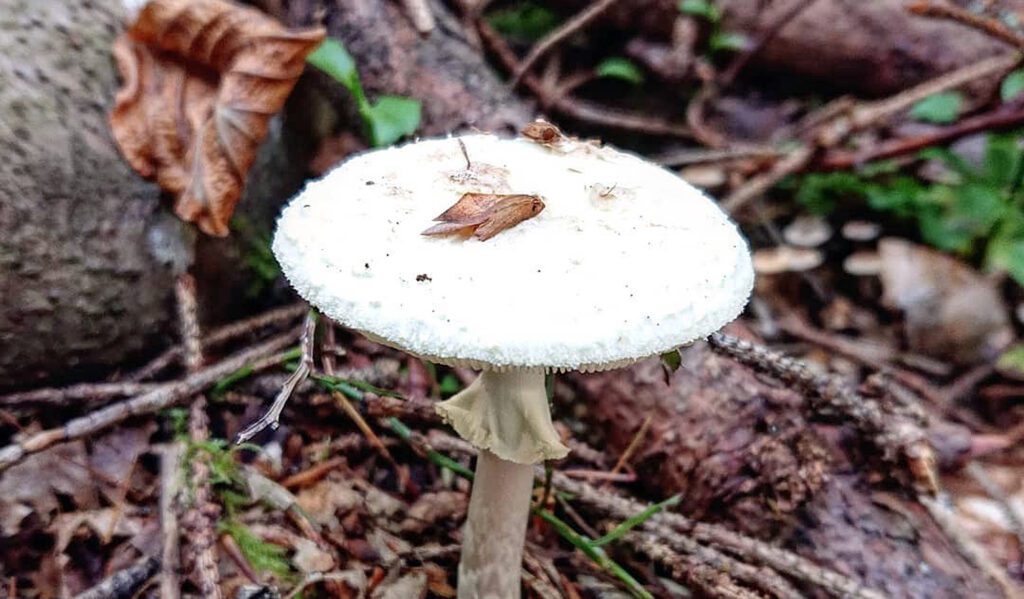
column 976, row 212
column 258, row 256
column 719, row 39
column 228, row 484
column 621, row 68
column 1012, row 86
column 388, row 119
column 523, row 21
column 942, row 108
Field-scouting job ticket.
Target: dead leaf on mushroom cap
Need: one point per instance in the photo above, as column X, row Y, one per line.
column 202, row 78
column 486, row 214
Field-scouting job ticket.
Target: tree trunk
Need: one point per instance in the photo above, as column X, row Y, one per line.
column 88, row 253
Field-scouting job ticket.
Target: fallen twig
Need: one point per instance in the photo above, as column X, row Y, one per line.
column 573, row 107
column 944, row 518
column 1014, row 514
column 124, row 584
column 170, row 479
column 200, row 520
column 222, row 335
column 991, row 27
column 272, row 416
column 552, row 39
column 894, row 435
column 162, row 397
column 86, row 392
column 993, row 121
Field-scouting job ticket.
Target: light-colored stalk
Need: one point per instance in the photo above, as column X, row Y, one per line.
column 506, row 416
column 492, row 540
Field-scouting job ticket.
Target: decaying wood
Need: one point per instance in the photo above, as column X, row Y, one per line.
column 875, row 47
column 746, row 453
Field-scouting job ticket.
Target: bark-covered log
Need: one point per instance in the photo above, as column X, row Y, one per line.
column 87, row 250
column 743, row 451
column 874, row 47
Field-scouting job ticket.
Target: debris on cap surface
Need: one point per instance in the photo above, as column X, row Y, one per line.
column 596, row 280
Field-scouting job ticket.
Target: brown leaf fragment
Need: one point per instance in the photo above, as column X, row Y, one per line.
column 202, row 78
column 543, row 132
column 484, row 215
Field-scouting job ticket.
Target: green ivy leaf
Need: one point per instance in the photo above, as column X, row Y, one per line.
column 391, row 118
column 941, row 108
column 701, row 8
column 620, row 68
column 1012, row 85
column 332, row 58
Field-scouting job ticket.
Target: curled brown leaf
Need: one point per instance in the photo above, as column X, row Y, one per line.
column 202, row 78
column 484, row 215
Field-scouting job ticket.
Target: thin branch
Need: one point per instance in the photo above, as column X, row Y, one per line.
column 990, row 27
column 552, row 39
column 572, row 107
column 947, row 522
column 124, row 584
column 893, row 434
column 993, row 121
column 85, row 392
column 162, row 397
column 223, row 335
column 272, row 417
column 170, row 478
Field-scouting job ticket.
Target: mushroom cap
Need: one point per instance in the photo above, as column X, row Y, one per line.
column 625, row 261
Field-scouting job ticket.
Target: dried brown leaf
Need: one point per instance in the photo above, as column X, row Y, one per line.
column 486, row 214
column 543, row 133
column 202, row 78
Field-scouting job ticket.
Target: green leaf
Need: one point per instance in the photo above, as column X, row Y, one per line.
column 332, row 58
column 1005, row 253
column 672, row 360
column 391, row 118
column 728, row 41
column 1012, row 85
column 701, row 8
column 449, row 385
column 1011, row 363
column 620, row 68
column 941, row 108
column 525, row 21
column 1002, row 158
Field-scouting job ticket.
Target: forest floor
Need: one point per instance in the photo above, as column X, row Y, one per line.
column 879, row 358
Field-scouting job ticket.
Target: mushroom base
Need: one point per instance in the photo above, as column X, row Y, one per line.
column 506, row 413
column 492, row 541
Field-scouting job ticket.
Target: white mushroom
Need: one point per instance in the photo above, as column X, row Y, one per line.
column 786, row 258
column 583, row 285
column 807, row 231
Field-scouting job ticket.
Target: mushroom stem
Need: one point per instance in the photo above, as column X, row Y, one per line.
column 506, row 416
column 492, row 541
